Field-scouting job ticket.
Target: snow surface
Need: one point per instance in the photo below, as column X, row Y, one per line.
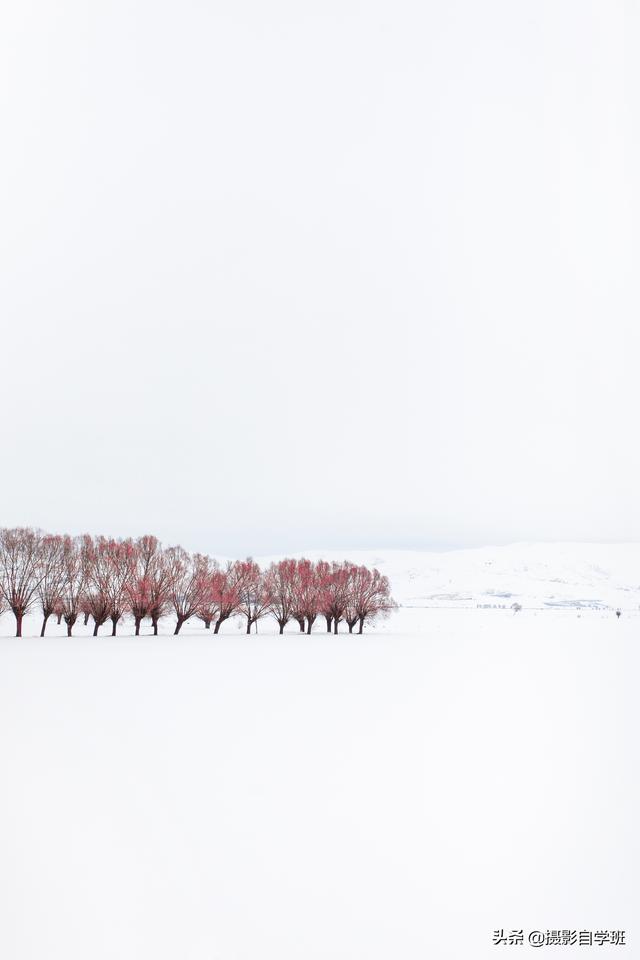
column 396, row 795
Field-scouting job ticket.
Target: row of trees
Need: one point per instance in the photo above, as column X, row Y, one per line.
column 105, row 580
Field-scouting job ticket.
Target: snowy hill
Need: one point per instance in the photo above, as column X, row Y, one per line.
column 532, row 574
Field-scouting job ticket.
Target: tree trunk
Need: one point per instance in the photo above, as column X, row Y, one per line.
column 59, row 619
column 86, row 620
column 351, row 625
column 69, row 629
column 335, row 624
column 281, row 627
column 361, row 625
column 178, row 625
column 114, row 621
column 207, row 624
column 154, row 621
column 309, row 624
column 44, row 623
column 216, row 629
column 329, row 622
column 95, row 628
column 138, row 620
column 300, row 623
column 248, row 624
column 18, row 617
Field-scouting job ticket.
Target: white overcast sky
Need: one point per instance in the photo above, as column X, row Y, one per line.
column 330, row 274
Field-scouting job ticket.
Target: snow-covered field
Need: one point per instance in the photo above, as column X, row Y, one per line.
column 396, row 795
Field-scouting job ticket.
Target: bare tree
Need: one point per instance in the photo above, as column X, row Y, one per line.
column 20, row 570
column 146, row 586
column 97, row 603
column 207, row 605
column 226, row 592
column 323, row 577
column 186, row 576
column 159, row 591
column 308, row 591
column 120, row 563
column 335, row 593
column 51, row 577
column 253, row 596
column 280, row 581
column 370, row 595
column 75, row 574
